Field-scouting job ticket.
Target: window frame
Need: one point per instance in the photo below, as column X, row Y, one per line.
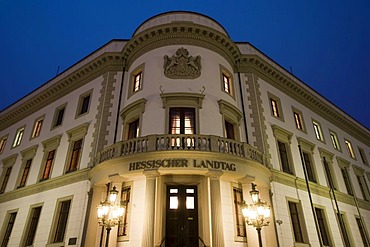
column 3, row 142
column 19, row 134
column 37, row 126
column 318, row 131
column 231, row 114
column 8, row 164
column 81, row 111
column 75, row 135
column 344, row 168
column 298, row 119
column 307, row 149
column 31, row 225
column 334, row 140
column 350, row 150
column 278, row 113
column 300, row 225
column 50, row 145
column 5, row 231
column 27, row 159
column 237, row 214
column 362, row 230
column 57, row 224
column 139, row 70
column 327, row 162
column 362, row 183
column 225, row 73
column 131, row 113
column 127, row 186
column 58, row 118
column 183, row 128
column 324, row 224
column 363, row 156
column 346, row 227
column 285, row 137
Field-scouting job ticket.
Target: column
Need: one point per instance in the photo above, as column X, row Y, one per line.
column 150, row 193
column 216, row 212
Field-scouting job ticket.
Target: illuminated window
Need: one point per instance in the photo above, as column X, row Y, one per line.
column 136, row 80
column 182, row 121
column 58, row 116
column 75, row 156
column 37, row 127
column 318, row 132
column 239, row 218
column 3, row 143
column 334, row 140
column 18, row 137
column 298, row 119
column 226, row 81
column 9, row 227
column 350, row 149
column 48, row 165
column 275, row 106
column 26, row 171
column 32, row 226
column 125, row 199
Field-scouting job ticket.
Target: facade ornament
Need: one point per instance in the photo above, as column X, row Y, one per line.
column 181, row 65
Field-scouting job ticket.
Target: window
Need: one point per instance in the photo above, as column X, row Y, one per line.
column 75, row 156
column 347, row 182
column 32, row 226
column 58, row 116
column 323, row 227
column 48, row 165
column 50, row 149
column 275, row 106
column 9, row 227
column 37, row 127
column 133, row 129
column 3, row 143
column 239, row 218
column 350, row 149
column 318, row 132
column 283, row 139
column 226, row 81
column 328, row 168
column 84, row 104
column 136, row 80
column 363, row 187
column 297, row 222
column 18, row 137
column 231, row 116
column 229, row 130
column 363, row 156
column 309, row 167
column 25, row 173
column 182, row 121
column 61, row 221
column 5, row 179
column 298, row 119
column 343, row 229
column 362, row 230
column 125, row 198
column 334, row 140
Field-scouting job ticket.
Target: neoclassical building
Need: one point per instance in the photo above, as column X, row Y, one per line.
column 179, row 121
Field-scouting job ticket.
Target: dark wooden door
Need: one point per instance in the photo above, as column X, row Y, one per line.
column 182, row 216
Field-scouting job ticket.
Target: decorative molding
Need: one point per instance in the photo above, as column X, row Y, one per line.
column 182, row 99
column 182, row 66
column 30, row 152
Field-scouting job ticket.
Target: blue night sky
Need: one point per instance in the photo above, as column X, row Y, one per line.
column 327, row 43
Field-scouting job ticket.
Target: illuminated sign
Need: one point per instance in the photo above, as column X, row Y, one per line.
column 182, row 163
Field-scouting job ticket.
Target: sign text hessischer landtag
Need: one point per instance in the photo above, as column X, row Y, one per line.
column 178, row 163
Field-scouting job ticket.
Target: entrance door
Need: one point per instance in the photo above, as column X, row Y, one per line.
column 182, row 216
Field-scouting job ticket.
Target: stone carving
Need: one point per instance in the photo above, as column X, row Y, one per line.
column 182, row 66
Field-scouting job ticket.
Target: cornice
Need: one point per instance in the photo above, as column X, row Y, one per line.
column 54, row 183
column 180, row 33
column 88, row 72
column 286, row 83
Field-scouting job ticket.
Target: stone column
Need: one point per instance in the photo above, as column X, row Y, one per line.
column 149, row 213
column 216, row 211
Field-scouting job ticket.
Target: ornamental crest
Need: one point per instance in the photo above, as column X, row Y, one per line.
column 182, row 66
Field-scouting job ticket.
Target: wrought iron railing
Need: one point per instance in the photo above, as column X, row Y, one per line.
column 207, row 143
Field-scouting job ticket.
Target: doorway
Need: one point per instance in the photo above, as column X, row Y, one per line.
column 182, row 216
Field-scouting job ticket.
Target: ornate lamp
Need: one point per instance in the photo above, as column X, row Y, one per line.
column 110, row 212
column 256, row 214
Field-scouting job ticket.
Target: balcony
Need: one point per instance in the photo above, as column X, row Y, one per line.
column 205, row 143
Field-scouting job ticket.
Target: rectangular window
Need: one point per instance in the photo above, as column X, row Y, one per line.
column 32, row 226
column 133, row 129
column 274, row 108
column 347, row 181
column 296, row 220
column 298, row 120
column 125, row 198
column 6, row 179
column 309, row 167
column 84, row 104
column 227, row 83
column 284, row 157
column 62, row 218
column 137, row 81
column 329, row 176
column 363, row 186
column 18, row 137
column 334, row 140
column 229, row 130
column 362, row 231
column 323, row 226
column 363, row 156
column 75, row 156
column 240, row 222
column 37, row 128
column 8, row 229
column 58, row 116
column 25, row 173
column 318, row 132
column 343, row 229
column 48, row 164
column 2, row 144
column 350, row 149
column 182, row 121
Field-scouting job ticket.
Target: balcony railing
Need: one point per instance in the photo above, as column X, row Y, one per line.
column 206, row 143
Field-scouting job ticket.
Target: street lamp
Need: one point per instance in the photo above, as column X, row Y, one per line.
column 110, row 212
column 256, row 214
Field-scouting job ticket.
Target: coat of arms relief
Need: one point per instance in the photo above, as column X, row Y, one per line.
column 181, row 65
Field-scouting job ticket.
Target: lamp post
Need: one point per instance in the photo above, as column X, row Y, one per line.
column 256, row 214
column 110, row 212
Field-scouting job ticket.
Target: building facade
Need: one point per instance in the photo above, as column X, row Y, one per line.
column 181, row 120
